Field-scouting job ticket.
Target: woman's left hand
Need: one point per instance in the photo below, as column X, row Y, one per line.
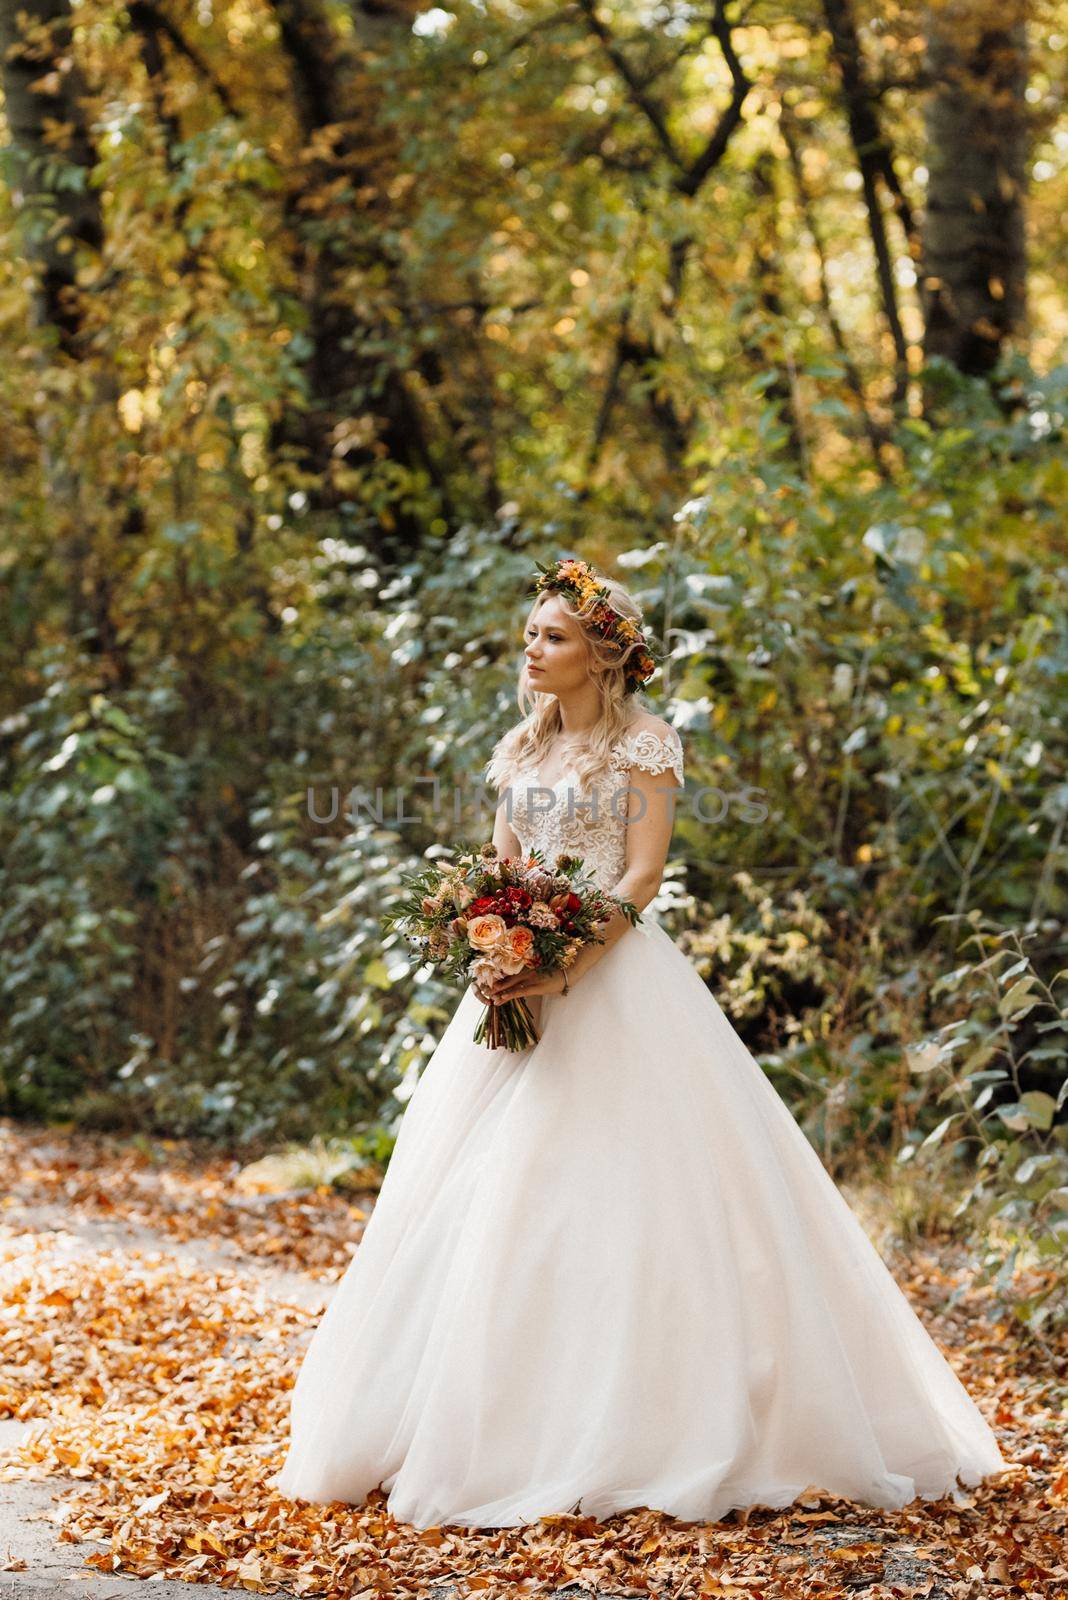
column 523, row 986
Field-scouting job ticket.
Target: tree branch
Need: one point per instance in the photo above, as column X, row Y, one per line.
column 714, row 150
column 146, row 16
column 875, row 161
column 876, row 435
column 635, row 86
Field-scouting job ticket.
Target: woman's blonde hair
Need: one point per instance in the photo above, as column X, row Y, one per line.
column 524, row 746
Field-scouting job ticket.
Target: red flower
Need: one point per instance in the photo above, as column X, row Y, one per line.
column 564, row 903
column 485, row 903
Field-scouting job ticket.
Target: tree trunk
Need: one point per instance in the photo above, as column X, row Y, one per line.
column 61, row 223
column 43, row 90
column 975, row 263
column 761, row 343
column 360, row 407
column 875, row 161
column 877, row 435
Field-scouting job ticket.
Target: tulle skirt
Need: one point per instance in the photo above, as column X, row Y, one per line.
column 610, row 1271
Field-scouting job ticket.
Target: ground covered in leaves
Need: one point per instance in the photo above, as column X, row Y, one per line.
column 154, row 1362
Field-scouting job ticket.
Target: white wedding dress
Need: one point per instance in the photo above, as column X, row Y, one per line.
column 610, row 1271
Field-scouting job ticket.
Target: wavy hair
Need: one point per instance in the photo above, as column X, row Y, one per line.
column 526, row 745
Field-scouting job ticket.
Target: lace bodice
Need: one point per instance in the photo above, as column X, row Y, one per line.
column 594, row 826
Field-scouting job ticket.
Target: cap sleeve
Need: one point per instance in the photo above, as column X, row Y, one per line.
column 653, row 753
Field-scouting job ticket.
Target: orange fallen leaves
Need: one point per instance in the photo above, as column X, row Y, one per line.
column 162, row 1384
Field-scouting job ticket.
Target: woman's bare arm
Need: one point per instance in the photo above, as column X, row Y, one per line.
column 503, row 833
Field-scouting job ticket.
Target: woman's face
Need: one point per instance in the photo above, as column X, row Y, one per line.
column 557, row 656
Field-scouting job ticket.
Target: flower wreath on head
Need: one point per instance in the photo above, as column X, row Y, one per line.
column 578, row 581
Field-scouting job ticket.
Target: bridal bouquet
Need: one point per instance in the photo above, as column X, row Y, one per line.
column 484, row 916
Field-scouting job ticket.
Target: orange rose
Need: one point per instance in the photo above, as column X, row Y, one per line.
column 512, row 957
column 520, row 942
column 484, row 931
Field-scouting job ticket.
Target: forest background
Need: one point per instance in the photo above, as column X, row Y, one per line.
column 319, row 324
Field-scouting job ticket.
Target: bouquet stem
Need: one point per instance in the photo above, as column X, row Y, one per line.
column 510, row 1025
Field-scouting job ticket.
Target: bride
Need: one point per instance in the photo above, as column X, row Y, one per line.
column 609, row 1270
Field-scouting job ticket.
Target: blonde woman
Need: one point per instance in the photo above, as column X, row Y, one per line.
column 609, row 1270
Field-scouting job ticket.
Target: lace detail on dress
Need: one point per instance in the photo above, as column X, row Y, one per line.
column 648, row 750
column 558, row 821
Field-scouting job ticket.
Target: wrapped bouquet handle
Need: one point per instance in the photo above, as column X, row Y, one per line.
column 507, row 1023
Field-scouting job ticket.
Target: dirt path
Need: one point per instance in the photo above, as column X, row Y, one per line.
column 35, row 1560
column 155, row 1313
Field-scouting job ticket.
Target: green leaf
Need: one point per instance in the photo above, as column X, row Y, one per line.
column 978, row 1059
column 923, row 1057
column 1015, row 1117
column 1018, row 1000
column 1033, row 1166
column 1040, row 1107
column 937, row 1134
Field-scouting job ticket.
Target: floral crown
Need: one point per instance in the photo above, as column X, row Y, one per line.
column 577, row 580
